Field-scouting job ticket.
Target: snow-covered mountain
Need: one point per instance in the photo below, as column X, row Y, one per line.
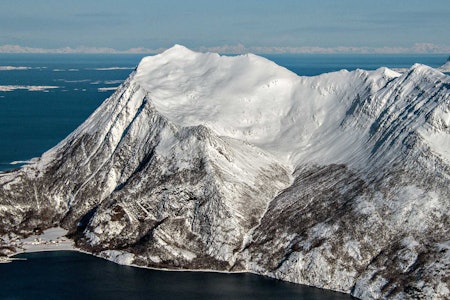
column 201, row 161
column 445, row 67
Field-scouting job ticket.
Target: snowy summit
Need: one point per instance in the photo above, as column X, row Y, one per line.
column 202, row 161
column 445, row 67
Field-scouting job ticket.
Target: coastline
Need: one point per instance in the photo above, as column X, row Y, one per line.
column 53, row 239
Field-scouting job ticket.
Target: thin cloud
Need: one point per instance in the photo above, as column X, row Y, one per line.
column 107, row 89
column 72, row 81
column 113, row 81
column 13, row 68
column 423, row 48
column 66, row 70
column 19, row 68
column 31, row 88
column 112, row 68
column 70, row 50
column 419, row 48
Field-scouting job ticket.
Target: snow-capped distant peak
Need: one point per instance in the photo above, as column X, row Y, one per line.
column 417, row 67
column 388, row 72
column 445, row 67
column 178, row 50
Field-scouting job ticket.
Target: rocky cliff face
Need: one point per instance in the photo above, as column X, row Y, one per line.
column 199, row 161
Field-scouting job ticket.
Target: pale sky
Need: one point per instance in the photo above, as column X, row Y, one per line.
column 214, row 23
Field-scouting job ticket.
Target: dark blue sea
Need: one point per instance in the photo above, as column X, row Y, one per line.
column 45, row 97
column 72, row 275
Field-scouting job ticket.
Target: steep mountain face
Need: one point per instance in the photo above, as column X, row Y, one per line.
column 445, row 67
column 201, row 161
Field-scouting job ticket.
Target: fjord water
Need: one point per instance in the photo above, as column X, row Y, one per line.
column 31, row 122
column 73, row 275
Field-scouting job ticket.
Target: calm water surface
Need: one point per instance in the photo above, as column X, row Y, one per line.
column 73, row 275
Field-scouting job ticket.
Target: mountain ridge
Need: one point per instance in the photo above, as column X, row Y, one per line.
column 202, row 161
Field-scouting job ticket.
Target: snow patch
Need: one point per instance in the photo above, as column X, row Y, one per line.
column 119, row 257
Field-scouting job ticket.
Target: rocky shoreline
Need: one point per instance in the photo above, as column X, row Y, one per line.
column 53, row 239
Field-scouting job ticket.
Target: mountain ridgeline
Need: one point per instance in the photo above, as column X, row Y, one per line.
column 201, row 161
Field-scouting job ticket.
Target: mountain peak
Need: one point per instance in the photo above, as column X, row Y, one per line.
column 384, row 71
column 445, row 67
column 423, row 70
column 178, row 50
column 419, row 67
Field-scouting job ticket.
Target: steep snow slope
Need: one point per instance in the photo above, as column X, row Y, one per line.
column 202, row 161
column 193, row 88
column 445, row 67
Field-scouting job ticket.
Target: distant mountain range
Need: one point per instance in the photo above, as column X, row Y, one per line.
column 201, row 161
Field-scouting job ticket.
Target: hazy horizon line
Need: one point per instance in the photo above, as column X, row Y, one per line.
column 419, row 48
